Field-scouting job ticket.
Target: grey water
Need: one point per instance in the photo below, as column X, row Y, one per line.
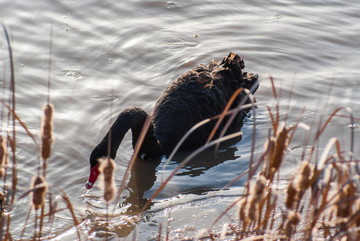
column 109, row 55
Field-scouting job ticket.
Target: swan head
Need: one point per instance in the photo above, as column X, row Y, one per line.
column 94, row 166
column 94, row 173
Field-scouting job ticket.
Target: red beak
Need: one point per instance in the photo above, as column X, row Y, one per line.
column 94, row 173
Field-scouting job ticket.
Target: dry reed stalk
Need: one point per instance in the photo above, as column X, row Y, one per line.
column 13, row 139
column 3, row 157
column 66, row 200
column 107, row 168
column 16, row 117
column 46, row 131
column 224, row 113
column 39, row 187
column 133, row 158
column 186, row 160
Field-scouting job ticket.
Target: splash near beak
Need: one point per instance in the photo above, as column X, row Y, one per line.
column 94, row 173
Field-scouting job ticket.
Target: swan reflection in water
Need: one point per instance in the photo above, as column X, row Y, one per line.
column 144, row 174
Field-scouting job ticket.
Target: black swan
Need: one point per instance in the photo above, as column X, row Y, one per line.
column 200, row 93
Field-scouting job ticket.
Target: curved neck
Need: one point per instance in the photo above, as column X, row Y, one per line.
column 131, row 118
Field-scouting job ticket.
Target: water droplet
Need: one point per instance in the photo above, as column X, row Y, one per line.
column 22, row 65
column 110, row 61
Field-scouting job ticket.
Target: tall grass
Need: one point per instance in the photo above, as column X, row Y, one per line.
column 40, row 190
column 321, row 200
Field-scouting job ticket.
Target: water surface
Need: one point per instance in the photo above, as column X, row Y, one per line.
column 110, row 55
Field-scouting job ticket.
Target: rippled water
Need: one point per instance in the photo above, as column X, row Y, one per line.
column 110, row 55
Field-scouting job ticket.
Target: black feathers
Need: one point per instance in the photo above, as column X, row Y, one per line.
column 201, row 93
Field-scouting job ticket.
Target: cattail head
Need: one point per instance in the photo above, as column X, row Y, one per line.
column 107, row 168
column 46, row 131
column 256, row 196
column 39, row 187
column 293, row 220
column 294, row 217
column 298, row 184
column 275, row 148
column 292, row 193
column 346, row 199
column 259, row 187
column 242, row 208
column 305, row 176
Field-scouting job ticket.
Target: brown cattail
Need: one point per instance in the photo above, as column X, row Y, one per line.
column 46, row 131
column 3, row 157
column 256, row 196
column 275, row 148
column 107, row 168
column 305, row 176
column 298, row 185
column 242, row 212
column 346, row 199
column 39, row 187
column 293, row 220
column 292, row 193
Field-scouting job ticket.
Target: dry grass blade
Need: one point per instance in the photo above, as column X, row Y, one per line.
column 3, row 156
column 276, row 122
column 323, row 159
column 225, row 211
column 13, row 105
column 273, row 121
column 185, row 161
column 223, row 114
column 133, row 158
column 25, row 224
column 68, row 204
column 241, row 107
column 20, row 122
column 319, row 133
column 198, row 125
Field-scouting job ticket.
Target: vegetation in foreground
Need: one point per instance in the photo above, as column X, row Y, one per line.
column 321, row 201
